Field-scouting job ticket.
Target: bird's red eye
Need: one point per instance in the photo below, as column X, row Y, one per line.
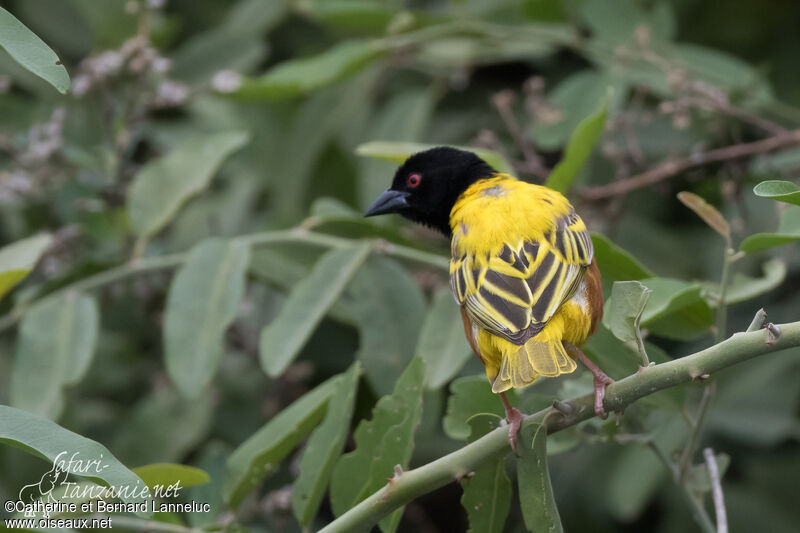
column 414, row 180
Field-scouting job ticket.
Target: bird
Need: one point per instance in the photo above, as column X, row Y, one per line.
column 522, row 267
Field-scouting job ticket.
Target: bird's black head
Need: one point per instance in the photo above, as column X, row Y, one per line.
column 427, row 185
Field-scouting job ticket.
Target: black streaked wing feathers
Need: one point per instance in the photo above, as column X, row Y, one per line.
column 524, row 285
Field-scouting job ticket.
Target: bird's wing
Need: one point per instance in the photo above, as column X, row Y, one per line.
column 516, row 291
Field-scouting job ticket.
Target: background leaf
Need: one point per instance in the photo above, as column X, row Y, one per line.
column 163, row 185
column 47, row 440
column 784, row 191
column 260, row 454
column 673, row 298
column 615, row 263
column 202, row 302
column 533, row 477
column 388, row 308
column 743, row 288
column 487, row 493
column 471, row 395
column 788, row 232
column 166, row 474
column 381, row 443
column 707, row 212
column 283, row 338
column 324, row 448
column 18, row 259
column 56, row 344
column 31, row 52
column 442, row 345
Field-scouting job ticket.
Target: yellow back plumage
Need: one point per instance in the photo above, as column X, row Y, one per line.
column 502, row 210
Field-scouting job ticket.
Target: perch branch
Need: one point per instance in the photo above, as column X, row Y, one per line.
column 672, row 167
column 414, row 483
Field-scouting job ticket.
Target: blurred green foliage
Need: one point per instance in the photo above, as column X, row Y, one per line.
column 187, row 278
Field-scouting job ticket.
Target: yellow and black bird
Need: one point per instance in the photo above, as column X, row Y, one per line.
column 522, row 266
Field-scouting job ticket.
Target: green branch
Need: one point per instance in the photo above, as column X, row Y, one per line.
column 414, row 483
column 149, row 264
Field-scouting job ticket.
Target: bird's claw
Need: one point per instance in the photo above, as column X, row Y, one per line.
column 601, row 381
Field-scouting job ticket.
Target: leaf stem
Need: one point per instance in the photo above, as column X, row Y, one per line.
column 722, row 310
column 429, row 477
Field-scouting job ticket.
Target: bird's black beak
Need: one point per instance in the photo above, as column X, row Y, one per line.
column 388, row 202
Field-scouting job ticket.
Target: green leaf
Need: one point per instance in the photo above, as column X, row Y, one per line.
column 56, row 445
column 442, row 345
column 539, row 509
column 579, row 148
column 166, row 474
column 671, row 296
column 707, row 212
column 388, row 308
column 31, row 52
column 487, row 493
column 381, row 443
column 18, row 259
column 299, row 76
column 259, row 455
column 56, row 343
column 202, row 302
column 324, row 448
column 623, row 311
column 784, row 191
column 163, row 185
column 309, row 301
column 743, row 288
column 698, row 479
column 676, row 309
column 788, row 232
column 611, row 354
column 469, row 396
column 398, row 152
column 615, row 263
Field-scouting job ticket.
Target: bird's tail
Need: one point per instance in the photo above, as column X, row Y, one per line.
column 540, row 356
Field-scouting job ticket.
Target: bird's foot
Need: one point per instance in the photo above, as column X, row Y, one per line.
column 601, row 380
column 514, row 418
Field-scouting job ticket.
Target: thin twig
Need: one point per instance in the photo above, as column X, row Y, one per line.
column 685, row 460
column 716, row 491
column 672, row 167
column 699, row 512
